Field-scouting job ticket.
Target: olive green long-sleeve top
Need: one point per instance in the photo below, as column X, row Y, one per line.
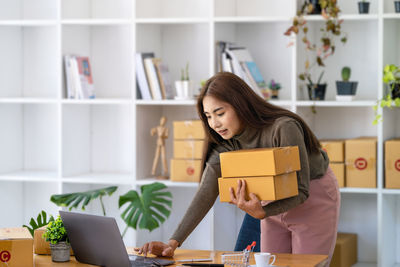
column 285, row 131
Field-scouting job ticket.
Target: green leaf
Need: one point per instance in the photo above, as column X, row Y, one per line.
column 41, row 221
column 397, row 102
column 145, row 211
column 73, row 200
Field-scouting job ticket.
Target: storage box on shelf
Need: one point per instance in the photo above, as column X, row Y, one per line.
column 392, row 163
column 335, row 151
column 345, row 254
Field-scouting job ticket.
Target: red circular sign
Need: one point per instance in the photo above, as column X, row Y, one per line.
column 190, row 171
column 397, row 165
column 361, row 163
column 5, row 256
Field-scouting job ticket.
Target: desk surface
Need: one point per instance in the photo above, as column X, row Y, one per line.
column 291, row 260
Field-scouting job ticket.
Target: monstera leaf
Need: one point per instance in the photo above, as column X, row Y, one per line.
column 148, row 210
column 41, row 221
column 72, row 200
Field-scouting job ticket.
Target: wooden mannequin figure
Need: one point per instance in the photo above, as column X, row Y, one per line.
column 162, row 134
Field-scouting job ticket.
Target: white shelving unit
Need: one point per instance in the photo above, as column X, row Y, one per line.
column 51, row 144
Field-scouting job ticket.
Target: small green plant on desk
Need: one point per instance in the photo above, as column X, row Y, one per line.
column 391, row 78
column 56, row 234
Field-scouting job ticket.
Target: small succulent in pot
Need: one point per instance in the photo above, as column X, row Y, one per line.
column 345, row 89
column 274, row 87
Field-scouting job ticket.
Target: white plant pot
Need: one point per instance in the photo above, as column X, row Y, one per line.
column 183, row 90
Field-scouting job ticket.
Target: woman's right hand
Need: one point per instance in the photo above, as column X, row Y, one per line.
column 158, row 248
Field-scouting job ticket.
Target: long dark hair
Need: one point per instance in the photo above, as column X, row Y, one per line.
column 252, row 110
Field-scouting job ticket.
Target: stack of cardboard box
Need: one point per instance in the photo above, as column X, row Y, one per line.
column 392, row 163
column 360, row 155
column 335, row 151
column 188, row 150
column 270, row 173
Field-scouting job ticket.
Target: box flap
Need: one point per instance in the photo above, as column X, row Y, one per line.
column 15, row 233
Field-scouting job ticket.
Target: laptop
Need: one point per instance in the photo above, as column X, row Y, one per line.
column 97, row 240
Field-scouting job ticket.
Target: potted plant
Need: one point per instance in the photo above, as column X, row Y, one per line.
column 345, row 90
column 183, row 87
column 363, row 7
column 391, row 78
column 317, row 53
column 274, row 88
column 316, row 91
column 56, row 234
column 397, row 6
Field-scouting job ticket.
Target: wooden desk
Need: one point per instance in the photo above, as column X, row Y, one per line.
column 281, row 259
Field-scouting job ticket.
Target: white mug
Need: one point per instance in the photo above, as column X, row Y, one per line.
column 263, row 259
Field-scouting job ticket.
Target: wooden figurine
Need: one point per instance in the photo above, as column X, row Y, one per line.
column 162, row 134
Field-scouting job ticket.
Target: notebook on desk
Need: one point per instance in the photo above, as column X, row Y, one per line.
column 97, row 240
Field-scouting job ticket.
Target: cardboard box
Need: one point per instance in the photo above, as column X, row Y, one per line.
column 185, row 170
column 345, row 254
column 16, row 247
column 260, row 162
column 40, row 245
column 392, row 163
column 338, row 170
column 265, row 187
column 188, row 149
column 188, row 130
column 334, row 148
column 360, row 157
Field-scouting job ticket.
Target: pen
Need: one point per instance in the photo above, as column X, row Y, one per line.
column 204, row 264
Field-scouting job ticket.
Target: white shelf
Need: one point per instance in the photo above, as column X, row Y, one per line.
column 165, row 102
column 391, row 191
column 100, row 178
column 30, row 176
column 96, row 22
column 391, row 16
column 347, row 17
column 327, row 103
column 30, row 23
column 97, row 101
column 171, row 20
column 167, row 183
column 365, row 264
column 252, row 19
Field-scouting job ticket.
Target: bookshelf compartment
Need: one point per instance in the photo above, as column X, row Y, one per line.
column 29, row 65
column 357, row 49
column 97, row 139
column 391, row 35
column 198, row 239
column 148, row 117
column 254, row 8
column 110, row 55
column 354, row 121
column 29, row 139
column 177, row 45
column 351, row 7
column 270, row 55
column 110, row 205
column 391, row 123
column 99, row 9
column 353, row 219
column 28, row 9
column 391, row 231
column 172, row 8
column 26, row 200
column 388, row 7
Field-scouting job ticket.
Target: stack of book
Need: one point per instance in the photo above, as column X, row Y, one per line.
column 238, row 60
column 152, row 78
column 78, row 77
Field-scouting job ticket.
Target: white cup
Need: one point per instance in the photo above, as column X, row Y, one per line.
column 263, row 259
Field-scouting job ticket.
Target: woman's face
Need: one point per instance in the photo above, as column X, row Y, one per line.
column 221, row 117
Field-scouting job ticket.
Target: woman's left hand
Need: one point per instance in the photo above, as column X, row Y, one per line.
column 252, row 207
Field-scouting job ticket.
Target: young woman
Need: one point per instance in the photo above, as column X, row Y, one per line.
column 236, row 118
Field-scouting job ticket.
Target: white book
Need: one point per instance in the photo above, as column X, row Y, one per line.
column 141, row 75
column 69, row 87
column 153, row 80
column 76, row 80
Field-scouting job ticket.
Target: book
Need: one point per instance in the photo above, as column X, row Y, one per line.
column 69, row 87
column 75, row 78
column 141, row 75
column 164, row 79
column 85, row 77
column 152, row 78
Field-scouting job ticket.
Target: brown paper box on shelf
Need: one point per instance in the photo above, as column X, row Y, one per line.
column 345, row 254
column 338, row 170
column 188, row 129
column 185, row 170
column 260, row 162
column 16, row 247
column 265, row 187
column 360, row 155
column 392, row 163
column 334, row 148
column 188, row 149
